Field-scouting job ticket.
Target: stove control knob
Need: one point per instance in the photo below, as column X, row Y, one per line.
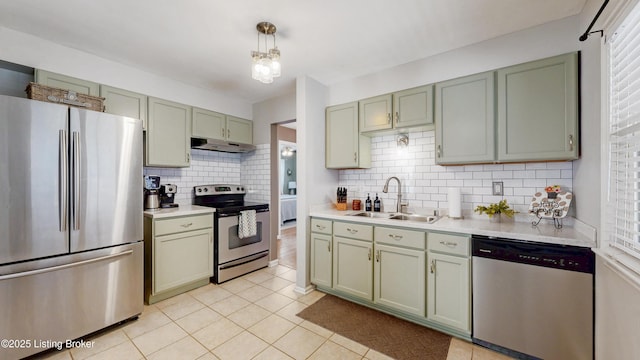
column 206, row 189
column 199, row 190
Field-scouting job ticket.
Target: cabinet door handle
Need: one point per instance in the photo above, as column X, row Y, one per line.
column 369, row 254
column 570, row 142
column 397, row 117
column 439, row 151
column 432, row 267
column 395, row 237
column 329, row 246
column 378, row 256
column 186, row 225
column 222, row 132
column 352, row 231
column 388, row 118
column 449, row 243
column 188, row 157
column 355, row 156
column 228, row 133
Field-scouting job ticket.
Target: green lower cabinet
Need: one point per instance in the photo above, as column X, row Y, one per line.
column 352, row 267
column 399, row 276
column 321, row 260
column 449, row 280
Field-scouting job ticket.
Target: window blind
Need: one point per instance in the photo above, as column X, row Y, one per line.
column 624, row 135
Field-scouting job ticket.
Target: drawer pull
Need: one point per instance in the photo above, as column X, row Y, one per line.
column 321, row 227
column 186, row 225
column 433, row 266
column 369, row 254
column 395, row 237
column 449, row 243
column 378, row 256
column 352, row 231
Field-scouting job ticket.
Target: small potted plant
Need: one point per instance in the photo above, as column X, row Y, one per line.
column 552, row 191
column 496, row 210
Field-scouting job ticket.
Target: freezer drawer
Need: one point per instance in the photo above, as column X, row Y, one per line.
column 66, row 297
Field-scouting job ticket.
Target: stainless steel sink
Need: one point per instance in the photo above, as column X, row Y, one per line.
column 430, row 219
column 371, row 214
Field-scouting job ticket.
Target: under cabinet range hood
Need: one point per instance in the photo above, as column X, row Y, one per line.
column 221, row 145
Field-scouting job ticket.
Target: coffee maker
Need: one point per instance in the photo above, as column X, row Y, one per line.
column 151, row 196
column 168, row 195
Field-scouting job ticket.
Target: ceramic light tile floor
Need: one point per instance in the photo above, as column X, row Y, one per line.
column 252, row 317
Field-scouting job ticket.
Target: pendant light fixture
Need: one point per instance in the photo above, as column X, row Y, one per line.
column 265, row 65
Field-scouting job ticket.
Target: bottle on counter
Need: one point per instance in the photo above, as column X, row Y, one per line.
column 367, row 203
column 376, row 204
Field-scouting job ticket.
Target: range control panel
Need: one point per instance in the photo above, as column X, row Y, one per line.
column 218, row 189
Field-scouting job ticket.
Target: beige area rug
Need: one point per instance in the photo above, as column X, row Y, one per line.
column 384, row 333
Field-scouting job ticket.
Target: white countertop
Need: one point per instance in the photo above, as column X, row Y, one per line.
column 181, row 210
column 545, row 232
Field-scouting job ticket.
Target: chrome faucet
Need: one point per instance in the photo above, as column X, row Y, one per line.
column 385, row 189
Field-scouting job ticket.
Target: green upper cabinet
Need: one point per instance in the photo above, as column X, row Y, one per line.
column 208, row 124
column 345, row 148
column 125, row 103
column 465, row 120
column 413, row 107
column 168, row 137
column 402, row 109
column 538, row 110
column 239, row 130
column 375, row 113
column 213, row 125
column 67, row 82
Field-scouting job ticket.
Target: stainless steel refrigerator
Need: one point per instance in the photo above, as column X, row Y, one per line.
column 71, row 227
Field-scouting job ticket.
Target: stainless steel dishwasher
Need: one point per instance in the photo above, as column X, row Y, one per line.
column 533, row 300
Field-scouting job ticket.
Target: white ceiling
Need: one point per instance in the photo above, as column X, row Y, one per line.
column 207, row 43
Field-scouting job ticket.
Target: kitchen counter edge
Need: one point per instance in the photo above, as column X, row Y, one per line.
column 545, row 233
column 182, row 210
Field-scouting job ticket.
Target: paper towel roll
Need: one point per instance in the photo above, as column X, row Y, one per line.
column 455, row 203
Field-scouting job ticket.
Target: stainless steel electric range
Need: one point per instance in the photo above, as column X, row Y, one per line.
column 234, row 256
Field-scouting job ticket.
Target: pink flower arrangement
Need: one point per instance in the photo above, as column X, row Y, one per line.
column 552, row 188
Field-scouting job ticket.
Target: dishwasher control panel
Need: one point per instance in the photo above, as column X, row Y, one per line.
column 556, row 256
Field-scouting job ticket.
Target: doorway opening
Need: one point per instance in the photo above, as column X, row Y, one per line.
column 284, row 190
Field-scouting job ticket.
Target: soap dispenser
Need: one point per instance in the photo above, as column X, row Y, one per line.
column 376, row 204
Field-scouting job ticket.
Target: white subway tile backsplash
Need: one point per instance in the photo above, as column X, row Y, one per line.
column 426, row 184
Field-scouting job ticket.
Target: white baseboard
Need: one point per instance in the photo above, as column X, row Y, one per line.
column 273, row 263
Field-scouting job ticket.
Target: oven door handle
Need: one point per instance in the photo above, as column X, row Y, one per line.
column 243, row 261
column 221, row 215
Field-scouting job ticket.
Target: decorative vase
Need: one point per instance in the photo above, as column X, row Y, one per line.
column 552, row 195
column 496, row 218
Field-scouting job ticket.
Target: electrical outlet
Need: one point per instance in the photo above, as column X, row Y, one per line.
column 498, row 188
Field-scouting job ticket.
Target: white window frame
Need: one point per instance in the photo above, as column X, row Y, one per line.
column 627, row 260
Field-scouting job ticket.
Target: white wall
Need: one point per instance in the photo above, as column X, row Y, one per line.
column 28, row 50
column 271, row 111
column 316, row 184
column 542, row 41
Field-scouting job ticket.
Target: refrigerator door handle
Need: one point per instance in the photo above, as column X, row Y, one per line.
column 63, row 177
column 65, row 266
column 76, row 180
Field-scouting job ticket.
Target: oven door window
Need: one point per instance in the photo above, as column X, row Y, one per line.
column 235, row 242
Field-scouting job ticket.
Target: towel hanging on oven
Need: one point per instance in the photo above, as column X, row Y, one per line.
column 247, row 224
